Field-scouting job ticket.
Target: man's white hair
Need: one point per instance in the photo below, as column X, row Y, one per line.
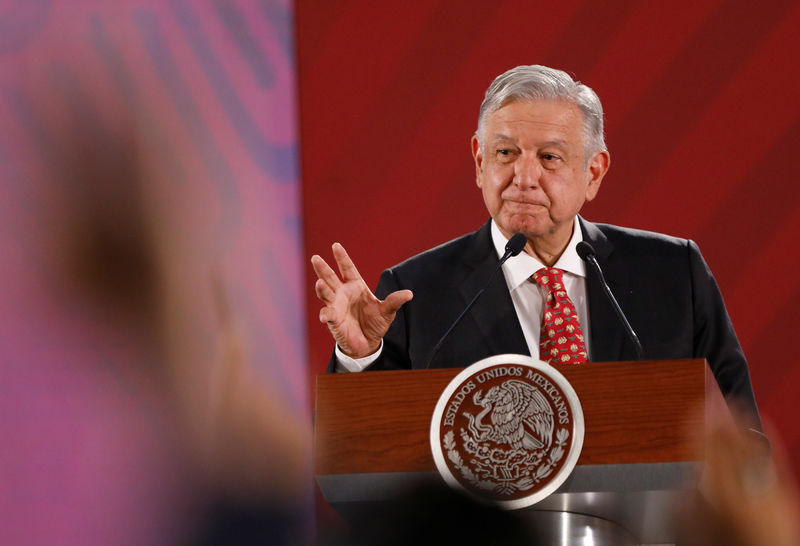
column 537, row 82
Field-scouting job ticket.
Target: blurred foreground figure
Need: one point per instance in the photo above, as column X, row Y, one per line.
column 748, row 496
column 210, row 450
column 152, row 369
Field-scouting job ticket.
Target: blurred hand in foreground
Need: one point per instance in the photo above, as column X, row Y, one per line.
column 748, row 496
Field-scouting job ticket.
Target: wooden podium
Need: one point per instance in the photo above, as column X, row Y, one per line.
column 372, row 438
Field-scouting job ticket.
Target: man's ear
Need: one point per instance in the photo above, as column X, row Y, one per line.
column 477, row 155
column 595, row 171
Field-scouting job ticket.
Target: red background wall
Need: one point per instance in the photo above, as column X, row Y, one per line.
column 703, row 125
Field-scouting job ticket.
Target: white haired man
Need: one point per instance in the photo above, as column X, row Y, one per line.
column 539, row 155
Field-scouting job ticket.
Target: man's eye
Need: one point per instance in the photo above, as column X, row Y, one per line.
column 549, row 157
column 504, row 151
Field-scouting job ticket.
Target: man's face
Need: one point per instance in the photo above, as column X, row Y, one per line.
column 531, row 169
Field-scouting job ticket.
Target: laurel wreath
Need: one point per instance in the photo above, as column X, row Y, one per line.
column 555, row 455
column 534, row 470
column 466, row 472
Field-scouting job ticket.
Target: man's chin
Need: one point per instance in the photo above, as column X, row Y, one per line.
column 530, row 227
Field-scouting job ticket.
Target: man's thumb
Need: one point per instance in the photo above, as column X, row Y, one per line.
column 395, row 301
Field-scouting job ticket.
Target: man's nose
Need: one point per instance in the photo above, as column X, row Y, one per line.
column 527, row 172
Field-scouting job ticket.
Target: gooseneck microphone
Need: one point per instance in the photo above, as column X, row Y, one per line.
column 586, row 252
column 513, row 247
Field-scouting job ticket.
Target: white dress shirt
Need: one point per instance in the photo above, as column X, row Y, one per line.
column 528, row 296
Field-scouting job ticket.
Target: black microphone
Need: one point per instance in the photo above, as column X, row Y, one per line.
column 586, row 252
column 513, row 247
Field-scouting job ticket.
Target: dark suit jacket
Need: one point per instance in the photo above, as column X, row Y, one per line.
column 662, row 284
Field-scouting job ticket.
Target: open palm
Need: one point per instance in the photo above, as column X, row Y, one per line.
column 355, row 317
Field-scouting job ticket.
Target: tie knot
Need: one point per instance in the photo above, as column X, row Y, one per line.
column 549, row 277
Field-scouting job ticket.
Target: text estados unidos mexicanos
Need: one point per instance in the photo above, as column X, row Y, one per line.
column 455, row 402
column 553, row 393
column 508, row 371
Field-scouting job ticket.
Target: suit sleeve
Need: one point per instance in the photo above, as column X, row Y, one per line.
column 715, row 339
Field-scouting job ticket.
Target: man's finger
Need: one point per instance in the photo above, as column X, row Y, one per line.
column 324, row 292
column 326, row 315
column 395, row 301
column 324, row 272
column 346, row 266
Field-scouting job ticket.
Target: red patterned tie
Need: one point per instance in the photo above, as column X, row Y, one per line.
column 561, row 337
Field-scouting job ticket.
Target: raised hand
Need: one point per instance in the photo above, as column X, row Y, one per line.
column 355, row 317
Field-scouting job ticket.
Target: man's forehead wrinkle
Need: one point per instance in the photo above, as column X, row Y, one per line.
column 517, row 113
column 500, row 137
column 553, row 132
column 556, row 142
column 559, row 124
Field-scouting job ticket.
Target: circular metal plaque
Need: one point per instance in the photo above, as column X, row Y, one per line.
column 508, row 429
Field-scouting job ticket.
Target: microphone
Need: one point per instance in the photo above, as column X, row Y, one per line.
column 586, row 252
column 513, row 248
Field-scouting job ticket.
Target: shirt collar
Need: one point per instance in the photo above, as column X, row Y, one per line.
column 519, row 269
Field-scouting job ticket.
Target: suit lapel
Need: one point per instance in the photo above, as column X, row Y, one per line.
column 608, row 339
column 494, row 312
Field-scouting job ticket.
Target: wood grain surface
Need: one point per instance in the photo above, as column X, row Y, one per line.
column 635, row 412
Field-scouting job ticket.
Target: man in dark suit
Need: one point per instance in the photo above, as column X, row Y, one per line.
column 539, row 156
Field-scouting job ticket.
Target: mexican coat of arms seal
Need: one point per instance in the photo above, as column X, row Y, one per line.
column 508, row 429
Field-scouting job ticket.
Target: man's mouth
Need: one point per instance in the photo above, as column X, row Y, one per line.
column 524, row 203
